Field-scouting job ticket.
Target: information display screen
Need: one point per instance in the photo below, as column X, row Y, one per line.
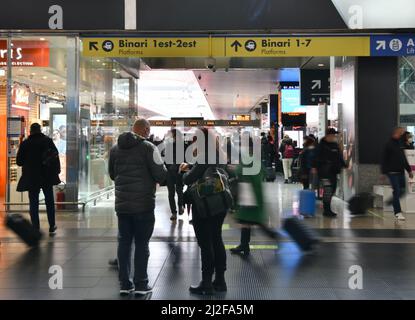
column 290, row 100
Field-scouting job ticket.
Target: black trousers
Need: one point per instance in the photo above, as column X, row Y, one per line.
column 137, row 228
column 245, row 237
column 212, row 249
column 329, row 189
column 175, row 185
column 34, row 205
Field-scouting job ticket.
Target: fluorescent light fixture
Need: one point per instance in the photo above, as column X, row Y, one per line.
column 377, row 14
column 321, row 64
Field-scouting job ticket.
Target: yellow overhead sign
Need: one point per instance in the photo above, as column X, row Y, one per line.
column 148, row 47
column 297, row 46
column 264, row 46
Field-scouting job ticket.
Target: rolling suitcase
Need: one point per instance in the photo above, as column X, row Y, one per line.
column 307, row 202
column 360, row 203
column 304, row 236
column 24, row 229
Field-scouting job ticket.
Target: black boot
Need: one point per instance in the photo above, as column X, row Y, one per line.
column 219, row 283
column 327, row 211
column 205, row 287
column 243, row 248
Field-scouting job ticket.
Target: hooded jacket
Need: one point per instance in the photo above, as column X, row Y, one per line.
column 30, row 156
column 133, row 168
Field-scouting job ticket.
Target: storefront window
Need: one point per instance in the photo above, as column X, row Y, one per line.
column 38, row 95
column 407, row 93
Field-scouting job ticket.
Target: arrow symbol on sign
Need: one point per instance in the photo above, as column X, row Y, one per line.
column 381, row 44
column 93, row 45
column 316, row 84
column 236, row 45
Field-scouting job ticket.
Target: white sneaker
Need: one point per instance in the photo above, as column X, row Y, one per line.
column 400, row 216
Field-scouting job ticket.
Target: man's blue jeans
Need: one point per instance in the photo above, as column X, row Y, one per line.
column 137, row 227
column 398, row 182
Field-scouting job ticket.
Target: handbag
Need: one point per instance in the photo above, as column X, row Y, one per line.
column 211, row 194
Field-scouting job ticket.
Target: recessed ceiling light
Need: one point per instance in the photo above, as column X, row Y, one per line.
column 98, row 60
column 33, row 73
column 42, row 39
column 44, row 77
column 104, row 64
column 21, row 70
column 54, row 80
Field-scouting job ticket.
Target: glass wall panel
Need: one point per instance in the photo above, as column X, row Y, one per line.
column 407, row 93
column 108, row 108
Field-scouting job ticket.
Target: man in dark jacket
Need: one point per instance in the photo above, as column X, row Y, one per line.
column 136, row 167
column 394, row 164
column 41, row 167
column 328, row 162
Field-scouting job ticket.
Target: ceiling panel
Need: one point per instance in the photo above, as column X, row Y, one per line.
column 236, row 91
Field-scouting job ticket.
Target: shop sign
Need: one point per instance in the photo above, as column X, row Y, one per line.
column 20, row 97
column 25, row 53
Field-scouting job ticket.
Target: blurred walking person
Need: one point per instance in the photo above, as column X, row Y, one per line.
column 394, row 164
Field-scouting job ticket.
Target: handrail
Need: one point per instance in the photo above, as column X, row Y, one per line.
column 82, row 202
